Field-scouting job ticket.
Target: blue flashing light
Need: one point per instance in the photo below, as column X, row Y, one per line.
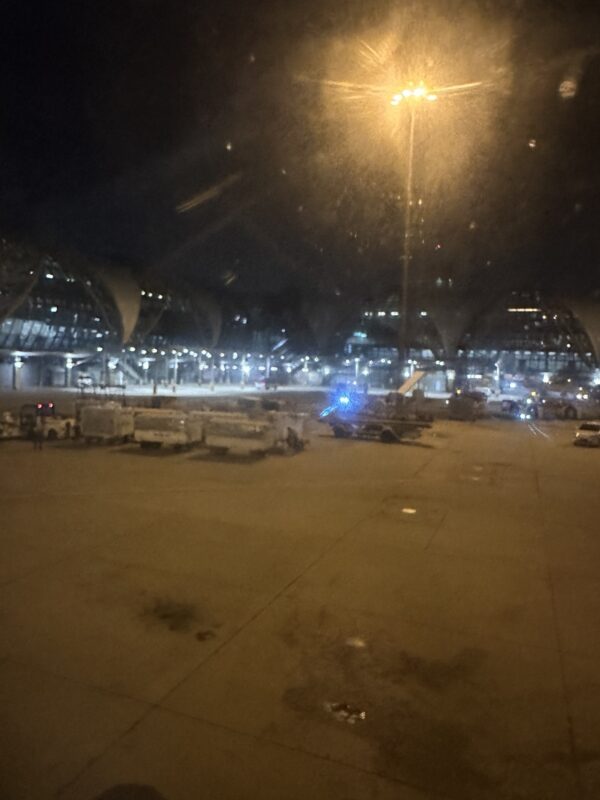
column 327, row 411
column 345, row 402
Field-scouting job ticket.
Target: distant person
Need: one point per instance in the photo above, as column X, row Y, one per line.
column 37, row 433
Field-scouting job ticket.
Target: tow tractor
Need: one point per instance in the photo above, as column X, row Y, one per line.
column 386, row 419
column 43, row 417
column 383, row 421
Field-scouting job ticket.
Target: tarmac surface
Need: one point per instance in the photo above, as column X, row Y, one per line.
column 357, row 622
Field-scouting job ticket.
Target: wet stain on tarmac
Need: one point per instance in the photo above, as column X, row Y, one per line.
column 436, row 674
column 175, row 616
column 204, row 636
column 432, row 753
column 410, row 742
column 403, row 705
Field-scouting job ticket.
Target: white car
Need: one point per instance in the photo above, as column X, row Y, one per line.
column 588, row 434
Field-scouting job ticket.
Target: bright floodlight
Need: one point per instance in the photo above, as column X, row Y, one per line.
column 407, row 94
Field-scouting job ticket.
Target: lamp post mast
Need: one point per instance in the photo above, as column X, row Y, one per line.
column 406, row 254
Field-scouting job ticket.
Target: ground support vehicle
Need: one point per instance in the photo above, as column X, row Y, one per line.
column 106, row 422
column 195, row 427
column 290, row 430
column 584, row 409
column 240, row 433
column 467, row 406
column 9, row 426
column 384, row 429
column 588, row 434
column 41, row 419
column 553, row 408
column 256, row 432
column 518, row 410
column 154, row 427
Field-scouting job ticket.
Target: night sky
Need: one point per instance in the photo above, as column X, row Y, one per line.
column 203, row 141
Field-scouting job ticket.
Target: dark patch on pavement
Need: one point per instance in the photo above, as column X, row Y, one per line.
column 176, row 616
column 405, row 707
column 410, row 742
column 204, row 636
column 131, row 791
column 436, row 754
column 435, row 673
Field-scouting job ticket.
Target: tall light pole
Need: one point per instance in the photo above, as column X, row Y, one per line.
column 412, row 96
column 406, row 254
